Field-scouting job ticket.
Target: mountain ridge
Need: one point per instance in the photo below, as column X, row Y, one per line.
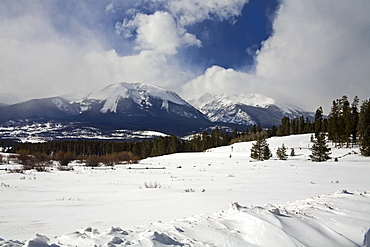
column 140, row 107
column 246, row 109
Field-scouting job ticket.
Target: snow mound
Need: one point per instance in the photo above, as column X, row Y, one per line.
column 140, row 93
column 339, row 219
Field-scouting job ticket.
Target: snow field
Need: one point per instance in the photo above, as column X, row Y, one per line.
column 56, row 203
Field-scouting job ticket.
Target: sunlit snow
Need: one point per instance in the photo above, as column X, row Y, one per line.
column 220, row 197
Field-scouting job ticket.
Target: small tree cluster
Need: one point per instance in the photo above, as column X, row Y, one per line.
column 260, row 150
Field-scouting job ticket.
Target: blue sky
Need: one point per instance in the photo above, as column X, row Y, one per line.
column 305, row 53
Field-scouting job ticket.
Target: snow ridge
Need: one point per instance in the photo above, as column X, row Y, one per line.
column 140, row 93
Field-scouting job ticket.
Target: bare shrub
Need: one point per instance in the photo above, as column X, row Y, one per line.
column 93, row 161
column 25, row 159
column 110, row 159
column 128, row 157
column 64, row 158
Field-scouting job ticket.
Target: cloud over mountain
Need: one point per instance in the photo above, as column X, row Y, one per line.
column 317, row 53
column 311, row 48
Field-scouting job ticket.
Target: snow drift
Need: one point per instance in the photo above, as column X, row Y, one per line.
column 339, row 219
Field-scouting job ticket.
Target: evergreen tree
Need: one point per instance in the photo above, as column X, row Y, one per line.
column 266, row 151
column 256, row 151
column 284, row 128
column 333, row 124
column 364, row 128
column 345, row 120
column 318, row 121
column 354, row 119
column 260, row 150
column 281, row 152
column 302, row 125
column 320, row 150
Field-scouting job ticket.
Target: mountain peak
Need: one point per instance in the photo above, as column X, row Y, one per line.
column 244, row 109
column 140, row 93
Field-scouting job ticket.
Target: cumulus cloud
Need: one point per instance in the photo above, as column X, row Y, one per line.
column 158, row 32
column 318, row 52
column 217, row 80
column 45, row 52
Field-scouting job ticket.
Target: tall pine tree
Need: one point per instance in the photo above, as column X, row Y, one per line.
column 318, row 121
column 320, row 150
column 364, row 128
column 260, row 150
column 354, row 119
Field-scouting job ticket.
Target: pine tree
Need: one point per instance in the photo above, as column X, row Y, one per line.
column 345, row 121
column 292, row 152
column 333, row 124
column 318, row 121
column 266, row 150
column 354, row 119
column 320, row 150
column 281, row 152
column 284, row 128
column 364, row 128
column 260, row 150
column 256, row 151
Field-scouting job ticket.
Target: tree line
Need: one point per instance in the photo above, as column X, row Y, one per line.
column 347, row 124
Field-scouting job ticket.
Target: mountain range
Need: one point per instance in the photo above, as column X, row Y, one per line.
column 136, row 107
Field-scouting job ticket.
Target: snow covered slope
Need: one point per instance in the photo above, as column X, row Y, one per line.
column 245, row 109
column 299, row 202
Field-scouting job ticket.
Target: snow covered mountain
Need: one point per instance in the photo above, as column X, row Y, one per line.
column 141, row 106
column 140, row 93
column 121, row 106
column 136, row 107
column 246, row 109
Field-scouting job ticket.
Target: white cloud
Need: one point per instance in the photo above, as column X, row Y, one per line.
column 158, row 32
column 217, row 80
column 318, row 52
column 191, row 11
column 38, row 61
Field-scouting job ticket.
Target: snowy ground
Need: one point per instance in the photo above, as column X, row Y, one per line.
column 296, row 202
